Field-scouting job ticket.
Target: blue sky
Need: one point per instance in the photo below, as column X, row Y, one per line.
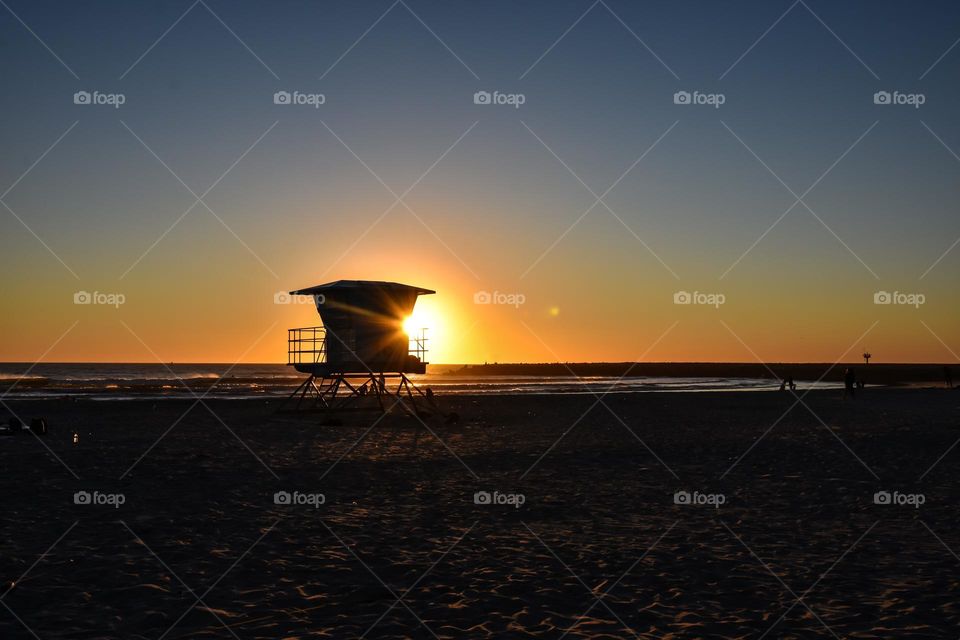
column 598, row 80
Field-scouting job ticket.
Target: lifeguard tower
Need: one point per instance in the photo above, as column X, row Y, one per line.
column 361, row 355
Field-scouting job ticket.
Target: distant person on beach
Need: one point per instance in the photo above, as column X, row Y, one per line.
column 849, row 383
column 948, row 377
column 790, row 383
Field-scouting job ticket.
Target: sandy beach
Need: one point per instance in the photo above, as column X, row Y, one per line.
column 786, row 540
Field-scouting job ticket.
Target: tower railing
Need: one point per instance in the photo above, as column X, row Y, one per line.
column 418, row 345
column 306, row 345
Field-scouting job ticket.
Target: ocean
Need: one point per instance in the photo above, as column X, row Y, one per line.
column 156, row 381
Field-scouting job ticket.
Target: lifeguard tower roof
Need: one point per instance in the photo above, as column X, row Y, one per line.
column 362, row 339
column 362, row 329
column 368, row 285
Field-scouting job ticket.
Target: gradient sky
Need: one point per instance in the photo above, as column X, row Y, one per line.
column 300, row 209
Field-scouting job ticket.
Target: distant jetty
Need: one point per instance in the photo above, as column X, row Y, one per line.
column 888, row 374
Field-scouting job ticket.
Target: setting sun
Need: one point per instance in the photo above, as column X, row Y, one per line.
column 420, row 319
